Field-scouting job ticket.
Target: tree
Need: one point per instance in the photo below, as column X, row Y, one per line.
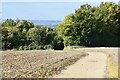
column 4, row 38
column 24, row 24
column 91, row 26
column 9, row 22
column 41, row 36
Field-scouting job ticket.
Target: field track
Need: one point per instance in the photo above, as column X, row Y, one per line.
column 95, row 65
column 92, row 66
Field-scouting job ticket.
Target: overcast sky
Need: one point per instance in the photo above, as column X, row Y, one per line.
column 42, row 10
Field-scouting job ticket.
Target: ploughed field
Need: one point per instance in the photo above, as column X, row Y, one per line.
column 36, row 63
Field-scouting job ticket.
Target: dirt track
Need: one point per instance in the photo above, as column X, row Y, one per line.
column 92, row 66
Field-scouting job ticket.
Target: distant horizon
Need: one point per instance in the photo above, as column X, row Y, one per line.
column 31, row 19
column 52, row 23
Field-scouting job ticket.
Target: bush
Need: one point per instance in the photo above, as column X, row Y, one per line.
column 30, row 47
column 21, row 48
column 57, row 43
column 41, row 47
column 49, row 46
column 25, row 47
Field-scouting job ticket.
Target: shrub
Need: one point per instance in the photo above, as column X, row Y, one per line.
column 57, row 43
column 21, row 48
column 41, row 47
column 49, row 46
column 25, row 47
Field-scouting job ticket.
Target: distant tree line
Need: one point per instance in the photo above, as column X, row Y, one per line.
column 88, row 26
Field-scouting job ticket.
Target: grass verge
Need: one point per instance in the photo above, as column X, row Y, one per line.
column 112, row 67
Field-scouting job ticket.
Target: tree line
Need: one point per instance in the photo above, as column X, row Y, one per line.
column 88, row 26
column 24, row 35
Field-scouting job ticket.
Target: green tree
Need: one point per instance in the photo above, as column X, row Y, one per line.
column 4, row 38
column 9, row 22
column 41, row 36
column 24, row 24
column 91, row 26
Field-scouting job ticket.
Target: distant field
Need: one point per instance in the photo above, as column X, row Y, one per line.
column 36, row 63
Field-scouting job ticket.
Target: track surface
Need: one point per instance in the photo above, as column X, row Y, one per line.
column 92, row 66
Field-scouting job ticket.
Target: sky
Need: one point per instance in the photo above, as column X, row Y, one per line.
column 42, row 10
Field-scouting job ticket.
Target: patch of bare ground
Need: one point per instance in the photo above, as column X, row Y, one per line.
column 36, row 64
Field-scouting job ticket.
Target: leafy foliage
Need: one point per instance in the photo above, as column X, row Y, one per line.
column 25, row 36
column 92, row 26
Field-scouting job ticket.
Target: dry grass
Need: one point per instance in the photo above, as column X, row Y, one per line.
column 112, row 67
